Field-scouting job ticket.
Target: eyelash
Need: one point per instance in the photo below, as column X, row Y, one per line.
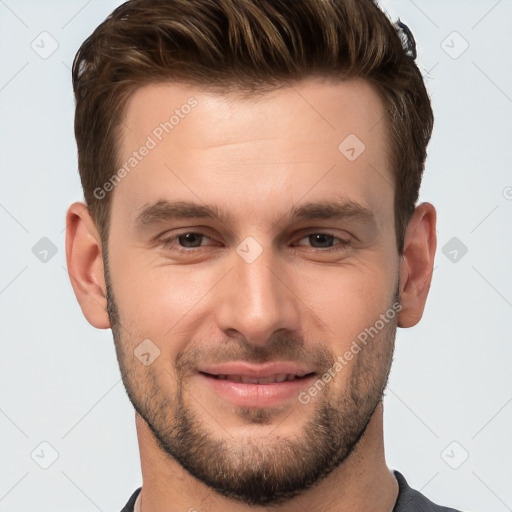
column 166, row 243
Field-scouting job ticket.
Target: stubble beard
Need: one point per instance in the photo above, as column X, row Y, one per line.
column 265, row 470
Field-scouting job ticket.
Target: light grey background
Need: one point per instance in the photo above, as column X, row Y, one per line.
column 450, row 390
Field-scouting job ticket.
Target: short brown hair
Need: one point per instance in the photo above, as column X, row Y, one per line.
column 251, row 46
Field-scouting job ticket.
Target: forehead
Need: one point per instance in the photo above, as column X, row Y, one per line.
column 339, row 106
column 310, row 138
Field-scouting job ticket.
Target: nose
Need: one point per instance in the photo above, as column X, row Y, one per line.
column 257, row 299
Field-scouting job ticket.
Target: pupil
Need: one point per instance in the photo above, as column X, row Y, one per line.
column 322, row 239
column 190, row 240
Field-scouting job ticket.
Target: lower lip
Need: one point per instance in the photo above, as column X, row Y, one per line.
column 257, row 395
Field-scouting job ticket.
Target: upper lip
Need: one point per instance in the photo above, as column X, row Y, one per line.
column 256, row 371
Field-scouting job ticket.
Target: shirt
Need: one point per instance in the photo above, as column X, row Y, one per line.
column 408, row 499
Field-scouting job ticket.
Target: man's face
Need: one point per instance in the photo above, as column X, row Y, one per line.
column 300, row 262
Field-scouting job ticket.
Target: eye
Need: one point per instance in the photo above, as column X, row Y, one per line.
column 187, row 240
column 324, row 241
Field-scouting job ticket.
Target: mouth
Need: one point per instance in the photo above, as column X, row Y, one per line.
column 246, row 379
column 247, row 385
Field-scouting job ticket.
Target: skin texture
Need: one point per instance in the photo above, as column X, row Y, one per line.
column 304, row 299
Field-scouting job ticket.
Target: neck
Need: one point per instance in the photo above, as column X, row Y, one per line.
column 362, row 482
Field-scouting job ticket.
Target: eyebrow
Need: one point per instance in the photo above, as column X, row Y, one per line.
column 164, row 210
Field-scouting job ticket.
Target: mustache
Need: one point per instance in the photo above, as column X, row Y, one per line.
column 280, row 347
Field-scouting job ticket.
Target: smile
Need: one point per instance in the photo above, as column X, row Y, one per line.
column 245, row 379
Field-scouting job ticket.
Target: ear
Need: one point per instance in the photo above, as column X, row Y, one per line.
column 85, row 265
column 416, row 264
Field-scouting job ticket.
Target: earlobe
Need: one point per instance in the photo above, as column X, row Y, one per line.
column 416, row 264
column 85, row 265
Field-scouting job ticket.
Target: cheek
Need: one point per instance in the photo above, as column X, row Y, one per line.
column 347, row 300
column 156, row 301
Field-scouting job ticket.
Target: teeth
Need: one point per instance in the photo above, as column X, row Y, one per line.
column 263, row 380
column 250, row 380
